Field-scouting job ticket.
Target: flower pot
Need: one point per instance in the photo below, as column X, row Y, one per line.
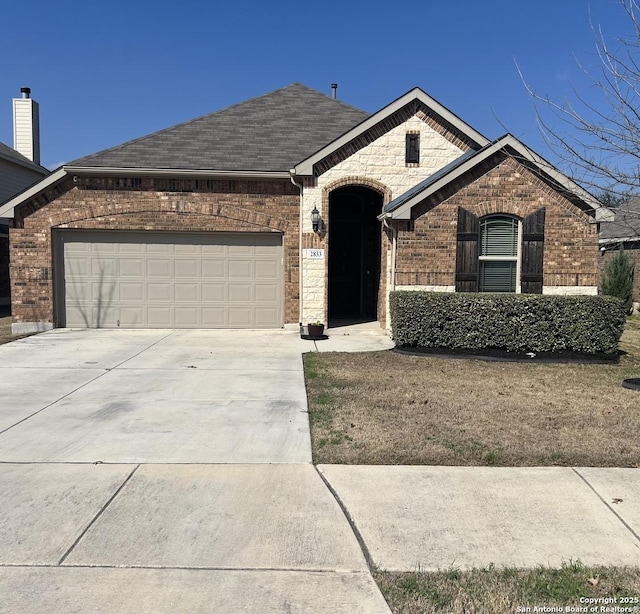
column 315, row 330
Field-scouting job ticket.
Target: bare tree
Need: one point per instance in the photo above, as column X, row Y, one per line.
column 597, row 139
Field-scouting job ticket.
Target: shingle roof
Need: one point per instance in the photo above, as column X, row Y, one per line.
column 626, row 223
column 12, row 154
column 268, row 133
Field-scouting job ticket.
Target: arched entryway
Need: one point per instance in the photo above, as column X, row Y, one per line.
column 354, row 254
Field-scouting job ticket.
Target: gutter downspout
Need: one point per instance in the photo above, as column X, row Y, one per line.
column 292, row 174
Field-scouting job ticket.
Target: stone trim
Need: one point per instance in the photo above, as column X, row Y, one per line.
column 570, row 290
column 427, row 288
column 27, row 328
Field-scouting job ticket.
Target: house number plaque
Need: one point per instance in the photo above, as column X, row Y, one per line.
column 315, row 254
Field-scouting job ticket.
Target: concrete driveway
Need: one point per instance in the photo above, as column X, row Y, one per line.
column 154, row 397
column 167, row 471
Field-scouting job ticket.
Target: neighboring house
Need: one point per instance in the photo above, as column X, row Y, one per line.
column 19, row 168
column 623, row 231
column 294, row 207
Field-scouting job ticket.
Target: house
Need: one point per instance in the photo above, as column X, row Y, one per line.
column 294, row 207
column 19, row 168
column 623, row 231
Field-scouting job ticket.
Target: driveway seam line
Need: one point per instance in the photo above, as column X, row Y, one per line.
column 363, row 546
column 95, row 518
column 624, row 522
column 64, row 396
column 143, row 350
column 104, row 372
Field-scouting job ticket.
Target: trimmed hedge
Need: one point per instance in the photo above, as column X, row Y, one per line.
column 508, row 322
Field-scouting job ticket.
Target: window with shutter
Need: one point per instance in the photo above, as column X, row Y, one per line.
column 531, row 275
column 467, row 251
column 498, row 254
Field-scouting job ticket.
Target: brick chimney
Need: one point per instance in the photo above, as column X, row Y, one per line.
column 26, row 126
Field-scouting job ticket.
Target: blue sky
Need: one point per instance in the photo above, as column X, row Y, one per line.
column 107, row 72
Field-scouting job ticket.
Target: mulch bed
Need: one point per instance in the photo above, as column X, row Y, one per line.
column 493, row 354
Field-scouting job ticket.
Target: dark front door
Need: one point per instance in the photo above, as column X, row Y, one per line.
column 354, row 253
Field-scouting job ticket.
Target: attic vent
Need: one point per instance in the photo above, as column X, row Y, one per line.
column 412, row 149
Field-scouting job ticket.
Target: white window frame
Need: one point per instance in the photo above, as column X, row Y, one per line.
column 517, row 258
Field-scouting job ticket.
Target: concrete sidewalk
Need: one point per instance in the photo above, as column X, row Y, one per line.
column 433, row 518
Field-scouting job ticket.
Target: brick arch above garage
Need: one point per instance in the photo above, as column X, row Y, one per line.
column 266, row 213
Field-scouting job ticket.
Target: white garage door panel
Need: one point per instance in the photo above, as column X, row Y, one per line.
column 171, row 280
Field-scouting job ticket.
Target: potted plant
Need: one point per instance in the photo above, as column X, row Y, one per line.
column 315, row 329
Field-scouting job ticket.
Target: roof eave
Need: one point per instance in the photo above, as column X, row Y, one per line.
column 7, row 210
column 112, row 171
column 28, row 164
column 617, row 240
column 305, row 167
column 600, row 212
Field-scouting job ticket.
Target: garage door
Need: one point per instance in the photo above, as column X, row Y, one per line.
column 170, row 280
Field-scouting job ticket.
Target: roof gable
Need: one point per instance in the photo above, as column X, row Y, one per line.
column 414, row 101
column 269, row 133
column 400, row 207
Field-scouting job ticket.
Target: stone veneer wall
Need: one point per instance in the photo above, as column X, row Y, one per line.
column 426, row 252
column 147, row 204
column 379, row 165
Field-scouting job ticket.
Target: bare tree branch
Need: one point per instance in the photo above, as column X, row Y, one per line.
column 596, row 137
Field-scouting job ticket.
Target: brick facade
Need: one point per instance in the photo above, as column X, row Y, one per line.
column 426, row 248
column 147, row 204
column 5, row 290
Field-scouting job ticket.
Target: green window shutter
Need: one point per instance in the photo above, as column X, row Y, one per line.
column 467, row 251
column 531, row 275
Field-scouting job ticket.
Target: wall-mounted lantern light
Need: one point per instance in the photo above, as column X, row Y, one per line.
column 315, row 220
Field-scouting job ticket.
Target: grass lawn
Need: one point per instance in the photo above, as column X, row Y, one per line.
column 390, row 408
column 5, row 328
column 500, row 591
